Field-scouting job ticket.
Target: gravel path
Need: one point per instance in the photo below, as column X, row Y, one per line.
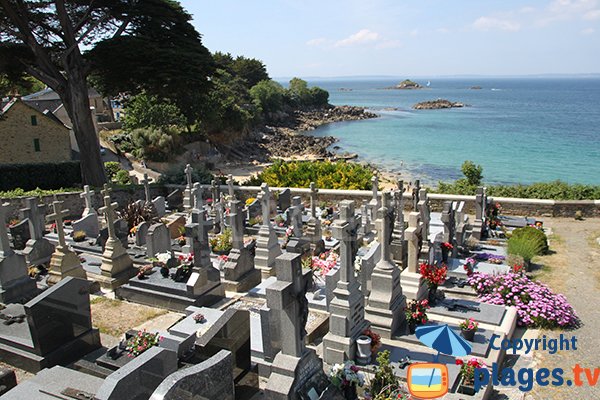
column 574, row 271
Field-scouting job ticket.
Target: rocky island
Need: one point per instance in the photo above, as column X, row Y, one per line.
column 407, row 84
column 437, row 104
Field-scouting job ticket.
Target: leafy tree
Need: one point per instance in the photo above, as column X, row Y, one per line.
column 22, row 85
column 149, row 44
column 144, row 111
column 268, row 96
column 154, row 144
column 298, row 92
column 473, row 173
column 250, row 70
column 319, row 97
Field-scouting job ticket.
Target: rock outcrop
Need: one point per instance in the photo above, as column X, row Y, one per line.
column 437, row 104
column 407, row 84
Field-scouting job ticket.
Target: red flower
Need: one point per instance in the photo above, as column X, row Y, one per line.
column 459, row 361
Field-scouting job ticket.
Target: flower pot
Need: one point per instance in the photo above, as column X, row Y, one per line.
column 468, row 334
column 363, row 350
column 221, row 252
column 432, row 294
column 350, row 392
column 444, row 255
column 164, row 271
column 466, row 388
column 412, row 327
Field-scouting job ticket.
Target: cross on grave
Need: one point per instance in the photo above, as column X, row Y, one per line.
column 413, row 237
column 399, row 202
column 287, row 296
column 230, row 189
column 188, row 174
column 87, row 196
column 106, row 190
column 197, row 193
column 415, row 194
column 146, row 184
column 265, row 202
column 296, row 216
column 313, row 199
column 5, row 249
column 423, row 207
column 383, row 227
column 345, row 230
column 237, row 225
column 197, row 232
column 57, row 217
column 35, row 214
column 109, row 214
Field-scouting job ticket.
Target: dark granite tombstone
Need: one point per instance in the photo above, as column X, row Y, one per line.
column 284, row 201
column 20, row 234
column 57, row 329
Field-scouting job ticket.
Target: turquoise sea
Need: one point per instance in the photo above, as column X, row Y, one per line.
column 521, row 130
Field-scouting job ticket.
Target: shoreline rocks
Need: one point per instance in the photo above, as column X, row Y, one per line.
column 285, row 139
column 407, row 84
column 437, row 105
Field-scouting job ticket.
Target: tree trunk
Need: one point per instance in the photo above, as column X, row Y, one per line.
column 77, row 104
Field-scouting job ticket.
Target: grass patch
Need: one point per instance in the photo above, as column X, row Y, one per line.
column 18, row 192
column 115, row 317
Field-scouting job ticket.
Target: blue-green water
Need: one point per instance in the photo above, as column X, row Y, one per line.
column 519, row 130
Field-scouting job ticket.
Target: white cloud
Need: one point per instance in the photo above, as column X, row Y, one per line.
column 592, row 15
column 316, row 42
column 492, row 23
column 588, row 31
column 526, row 10
column 413, row 33
column 360, row 37
column 389, row 44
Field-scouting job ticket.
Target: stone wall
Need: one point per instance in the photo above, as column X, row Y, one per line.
column 18, row 134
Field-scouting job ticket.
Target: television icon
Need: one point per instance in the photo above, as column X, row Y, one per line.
column 427, row 380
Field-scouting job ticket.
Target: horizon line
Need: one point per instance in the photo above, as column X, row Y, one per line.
column 402, row 77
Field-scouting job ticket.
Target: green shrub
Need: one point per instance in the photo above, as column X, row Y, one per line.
column 325, row 174
column 154, row 144
column 111, row 168
column 532, row 234
column 43, row 175
column 176, row 175
column 18, row 192
column 122, row 177
column 384, row 382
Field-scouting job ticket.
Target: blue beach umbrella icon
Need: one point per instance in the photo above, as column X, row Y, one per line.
column 444, row 340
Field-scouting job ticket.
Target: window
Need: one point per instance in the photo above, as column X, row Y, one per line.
column 36, row 144
column 33, row 120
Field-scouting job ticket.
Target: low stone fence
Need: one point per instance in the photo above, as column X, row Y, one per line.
column 510, row 206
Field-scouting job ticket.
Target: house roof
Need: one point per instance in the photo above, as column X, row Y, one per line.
column 49, row 94
column 6, row 106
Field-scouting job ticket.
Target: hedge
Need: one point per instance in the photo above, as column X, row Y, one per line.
column 43, row 175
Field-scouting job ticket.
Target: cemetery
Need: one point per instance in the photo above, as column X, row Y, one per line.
column 268, row 292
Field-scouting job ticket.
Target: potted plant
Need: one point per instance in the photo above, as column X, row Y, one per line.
column 141, row 342
column 199, row 318
column 446, row 248
column 375, row 340
column 468, row 369
column 468, row 328
column 328, row 235
column 469, row 265
column 363, row 349
column 222, row 243
column 434, row 276
column 416, row 314
column 78, row 236
column 346, row 377
column 181, row 240
column 144, row 271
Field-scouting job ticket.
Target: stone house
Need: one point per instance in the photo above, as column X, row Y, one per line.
column 28, row 135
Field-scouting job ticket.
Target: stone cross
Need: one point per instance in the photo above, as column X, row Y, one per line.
column 345, row 230
column 447, row 219
column 423, row 207
column 57, row 217
column 413, row 237
column 265, row 202
column 197, row 193
column 383, row 227
column 109, row 213
column 5, row 249
column 214, row 189
column 87, row 196
column 415, row 193
column 106, row 190
column 313, row 199
column 480, row 203
column 296, row 215
column 237, row 225
column 230, row 186
column 398, row 233
column 188, row 174
column 146, row 184
column 197, row 234
column 35, row 214
column 374, row 188
column 287, row 297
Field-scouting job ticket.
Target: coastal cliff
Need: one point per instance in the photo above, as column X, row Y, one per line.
column 284, row 138
column 437, row 104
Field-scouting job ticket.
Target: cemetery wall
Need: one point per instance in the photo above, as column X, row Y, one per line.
column 510, row 206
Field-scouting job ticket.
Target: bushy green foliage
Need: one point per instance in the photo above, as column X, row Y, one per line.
column 268, row 96
column 42, row 175
column 250, row 70
column 18, row 192
column 527, row 249
column 144, row 111
column 154, row 144
column 300, row 95
column 175, row 175
column 384, row 381
column 325, row 174
column 111, row 168
column 532, row 234
column 473, row 173
column 122, row 177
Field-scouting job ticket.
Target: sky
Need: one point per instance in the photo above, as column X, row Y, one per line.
column 335, row 38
